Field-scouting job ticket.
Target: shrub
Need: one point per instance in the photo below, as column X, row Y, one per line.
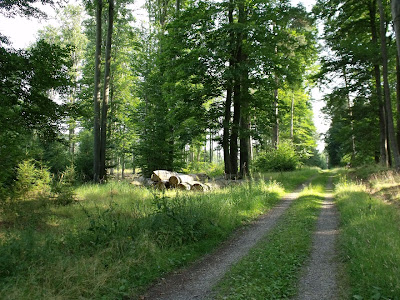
column 84, row 157
column 33, row 180
column 284, row 158
column 64, row 187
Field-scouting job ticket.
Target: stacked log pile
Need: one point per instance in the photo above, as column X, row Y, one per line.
column 188, row 182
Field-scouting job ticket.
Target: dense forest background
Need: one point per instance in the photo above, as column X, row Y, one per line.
column 217, row 85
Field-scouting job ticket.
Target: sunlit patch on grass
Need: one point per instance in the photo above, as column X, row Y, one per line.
column 369, row 241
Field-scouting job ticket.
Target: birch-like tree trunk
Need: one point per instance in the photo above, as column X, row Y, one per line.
column 395, row 6
column 388, row 104
column 228, row 101
column 378, row 89
column 97, row 94
column 106, row 91
column 244, row 99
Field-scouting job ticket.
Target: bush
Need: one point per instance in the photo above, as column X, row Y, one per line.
column 211, row 169
column 64, row 187
column 33, row 180
column 84, row 157
column 282, row 159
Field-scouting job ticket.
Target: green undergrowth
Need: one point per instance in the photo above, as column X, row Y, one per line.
column 369, row 243
column 117, row 239
column 271, row 270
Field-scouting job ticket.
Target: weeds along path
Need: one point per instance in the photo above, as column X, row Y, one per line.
column 319, row 280
column 197, row 281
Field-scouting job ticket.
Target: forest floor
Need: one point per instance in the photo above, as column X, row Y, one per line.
column 318, row 275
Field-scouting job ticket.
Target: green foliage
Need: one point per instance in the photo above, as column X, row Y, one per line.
column 353, row 102
column 284, row 158
column 84, row 157
column 212, row 170
column 28, row 115
column 11, row 8
column 33, row 181
column 369, row 243
column 64, row 187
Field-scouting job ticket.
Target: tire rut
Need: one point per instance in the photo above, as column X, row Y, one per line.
column 319, row 280
column 197, row 281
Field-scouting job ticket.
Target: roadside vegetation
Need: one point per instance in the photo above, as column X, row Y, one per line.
column 369, row 242
column 272, row 268
column 111, row 241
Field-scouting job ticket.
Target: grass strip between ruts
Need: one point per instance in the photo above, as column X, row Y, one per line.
column 271, row 270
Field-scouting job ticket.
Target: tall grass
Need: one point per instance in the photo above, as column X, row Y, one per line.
column 117, row 238
column 369, row 243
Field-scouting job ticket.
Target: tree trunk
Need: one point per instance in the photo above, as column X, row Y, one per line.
column 398, row 99
column 97, row 95
column 235, row 130
column 388, row 104
column 275, row 127
column 106, row 91
column 244, row 100
column 382, row 119
column 236, row 109
column 377, row 74
column 292, row 117
column 228, row 101
column 395, row 6
column 350, row 109
column 211, row 147
column 226, row 125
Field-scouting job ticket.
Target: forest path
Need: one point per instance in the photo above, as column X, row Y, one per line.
column 197, row 281
column 319, row 280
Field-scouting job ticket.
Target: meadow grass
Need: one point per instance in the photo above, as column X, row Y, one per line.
column 271, row 270
column 369, row 242
column 117, row 239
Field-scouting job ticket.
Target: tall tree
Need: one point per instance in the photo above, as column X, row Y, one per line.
column 69, row 34
column 97, row 94
column 395, row 8
column 349, row 24
column 106, row 91
column 388, row 102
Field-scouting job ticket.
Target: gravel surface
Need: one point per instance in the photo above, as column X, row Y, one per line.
column 197, row 281
column 320, row 274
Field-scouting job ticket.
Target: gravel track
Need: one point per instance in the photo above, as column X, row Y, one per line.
column 319, row 280
column 196, row 282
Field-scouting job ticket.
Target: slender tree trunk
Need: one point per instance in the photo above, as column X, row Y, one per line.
column 382, row 119
column 226, row 125
column 244, row 139
column 388, row 104
column 234, row 151
column 211, row 147
column 235, row 130
column 106, row 92
column 97, row 95
column 244, row 99
column 292, row 117
column 123, row 166
column 275, row 127
column 349, row 107
column 389, row 150
column 395, row 6
column 398, row 99
column 228, row 102
column 377, row 74
column 177, row 7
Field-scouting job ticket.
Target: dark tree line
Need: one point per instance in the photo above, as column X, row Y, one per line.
column 364, row 107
